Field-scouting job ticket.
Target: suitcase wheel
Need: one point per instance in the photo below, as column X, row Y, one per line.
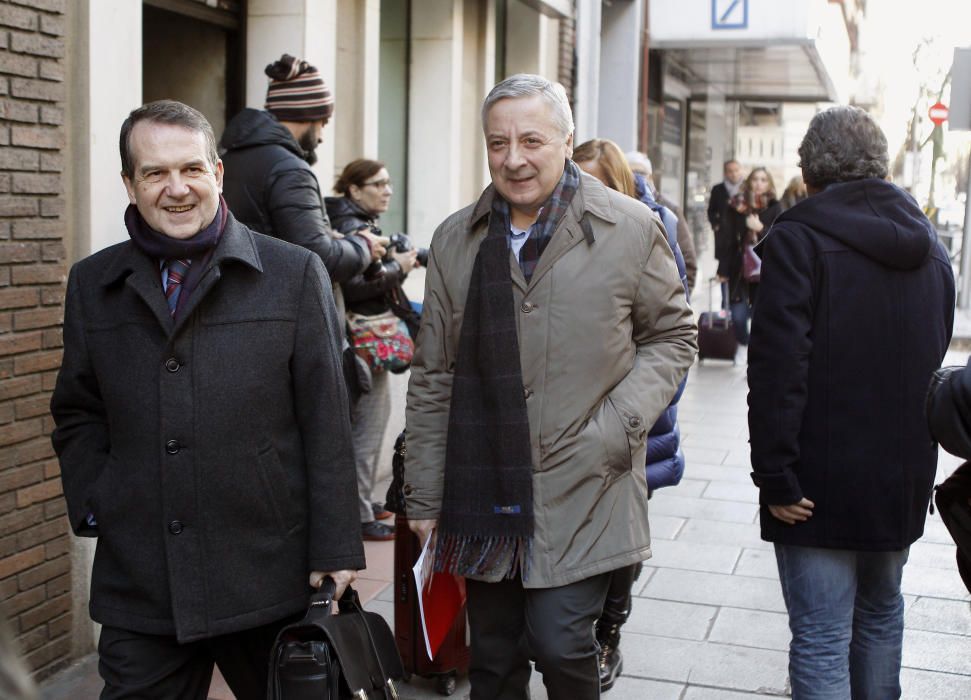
column 445, row 684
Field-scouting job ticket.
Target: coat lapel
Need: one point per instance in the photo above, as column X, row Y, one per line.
column 566, row 236
column 236, row 244
column 146, row 281
column 143, row 276
column 591, row 198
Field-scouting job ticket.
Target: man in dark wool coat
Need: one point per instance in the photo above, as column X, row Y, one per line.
column 853, row 316
column 202, row 426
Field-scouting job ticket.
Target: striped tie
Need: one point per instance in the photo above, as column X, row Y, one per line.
column 173, row 285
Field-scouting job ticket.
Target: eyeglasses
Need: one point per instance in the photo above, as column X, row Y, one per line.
column 380, row 184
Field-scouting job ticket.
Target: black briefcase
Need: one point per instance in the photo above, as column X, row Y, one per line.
column 351, row 655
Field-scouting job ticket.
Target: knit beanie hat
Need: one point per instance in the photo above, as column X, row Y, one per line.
column 297, row 93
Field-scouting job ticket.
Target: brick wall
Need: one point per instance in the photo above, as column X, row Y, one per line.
column 35, row 564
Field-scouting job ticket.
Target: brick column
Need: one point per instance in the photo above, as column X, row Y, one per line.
column 34, row 541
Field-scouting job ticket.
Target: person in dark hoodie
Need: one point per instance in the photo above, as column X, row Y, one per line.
column 268, row 183
column 853, row 316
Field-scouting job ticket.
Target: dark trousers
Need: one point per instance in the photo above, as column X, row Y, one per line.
column 511, row 624
column 135, row 665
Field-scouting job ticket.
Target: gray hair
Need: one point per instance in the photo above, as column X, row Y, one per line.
column 165, row 112
column 529, row 85
column 843, row 143
column 639, row 162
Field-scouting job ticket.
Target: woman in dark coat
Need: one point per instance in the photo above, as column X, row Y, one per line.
column 603, row 159
column 365, row 191
column 854, row 315
column 749, row 215
column 949, row 418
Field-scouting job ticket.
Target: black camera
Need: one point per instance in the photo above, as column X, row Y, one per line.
column 401, row 243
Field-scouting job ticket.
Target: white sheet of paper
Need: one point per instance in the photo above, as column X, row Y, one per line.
column 422, row 573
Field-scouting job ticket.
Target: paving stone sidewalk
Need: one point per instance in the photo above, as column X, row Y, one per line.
column 708, row 619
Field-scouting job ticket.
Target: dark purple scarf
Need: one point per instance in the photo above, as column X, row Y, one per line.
column 162, row 248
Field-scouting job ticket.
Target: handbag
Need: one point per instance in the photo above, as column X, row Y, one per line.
column 751, row 264
column 382, row 341
column 349, row 656
column 953, row 499
column 394, row 499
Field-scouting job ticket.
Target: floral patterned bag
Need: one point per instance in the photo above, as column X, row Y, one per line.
column 382, row 341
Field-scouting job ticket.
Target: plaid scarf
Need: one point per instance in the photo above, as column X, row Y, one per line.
column 542, row 231
column 747, row 202
column 485, row 528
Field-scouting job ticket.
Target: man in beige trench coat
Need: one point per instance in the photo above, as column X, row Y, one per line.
column 555, row 331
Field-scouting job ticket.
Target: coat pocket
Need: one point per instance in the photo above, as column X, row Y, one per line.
column 616, row 444
column 275, row 488
column 97, row 501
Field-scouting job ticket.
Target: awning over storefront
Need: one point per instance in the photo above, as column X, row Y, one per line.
column 797, row 50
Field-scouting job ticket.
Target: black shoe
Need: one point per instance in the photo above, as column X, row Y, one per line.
column 379, row 512
column 611, row 665
column 609, row 660
column 376, row 532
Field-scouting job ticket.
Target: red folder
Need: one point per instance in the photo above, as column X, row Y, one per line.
column 441, row 597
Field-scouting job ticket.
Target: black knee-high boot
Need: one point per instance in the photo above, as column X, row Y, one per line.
column 616, row 610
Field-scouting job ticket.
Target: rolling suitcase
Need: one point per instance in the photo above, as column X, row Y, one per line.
column 716, row 333
column 452, row 658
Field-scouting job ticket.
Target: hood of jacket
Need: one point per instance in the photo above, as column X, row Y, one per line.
column 872, row 216
column 256, row 127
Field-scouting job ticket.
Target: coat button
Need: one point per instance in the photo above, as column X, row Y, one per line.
column 527, row 392
column 172, row 365
column 175, row 527
column 408, row 489
column 173, row 447
column 527, row 307
column 634, row 422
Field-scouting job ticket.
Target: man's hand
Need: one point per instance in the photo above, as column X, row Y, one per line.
column 378, row 243
column 422, row 528
column 341, row 578
column 796, row 513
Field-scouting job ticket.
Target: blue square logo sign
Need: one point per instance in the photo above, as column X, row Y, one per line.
column 729, row 14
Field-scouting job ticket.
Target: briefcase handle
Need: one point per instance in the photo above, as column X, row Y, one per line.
column 321, row 603
column 322, row 600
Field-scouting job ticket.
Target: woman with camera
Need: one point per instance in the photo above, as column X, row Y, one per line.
column 365, row 190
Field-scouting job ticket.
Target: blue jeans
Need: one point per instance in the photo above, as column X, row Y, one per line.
column 740, row 311
column 846, row 615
